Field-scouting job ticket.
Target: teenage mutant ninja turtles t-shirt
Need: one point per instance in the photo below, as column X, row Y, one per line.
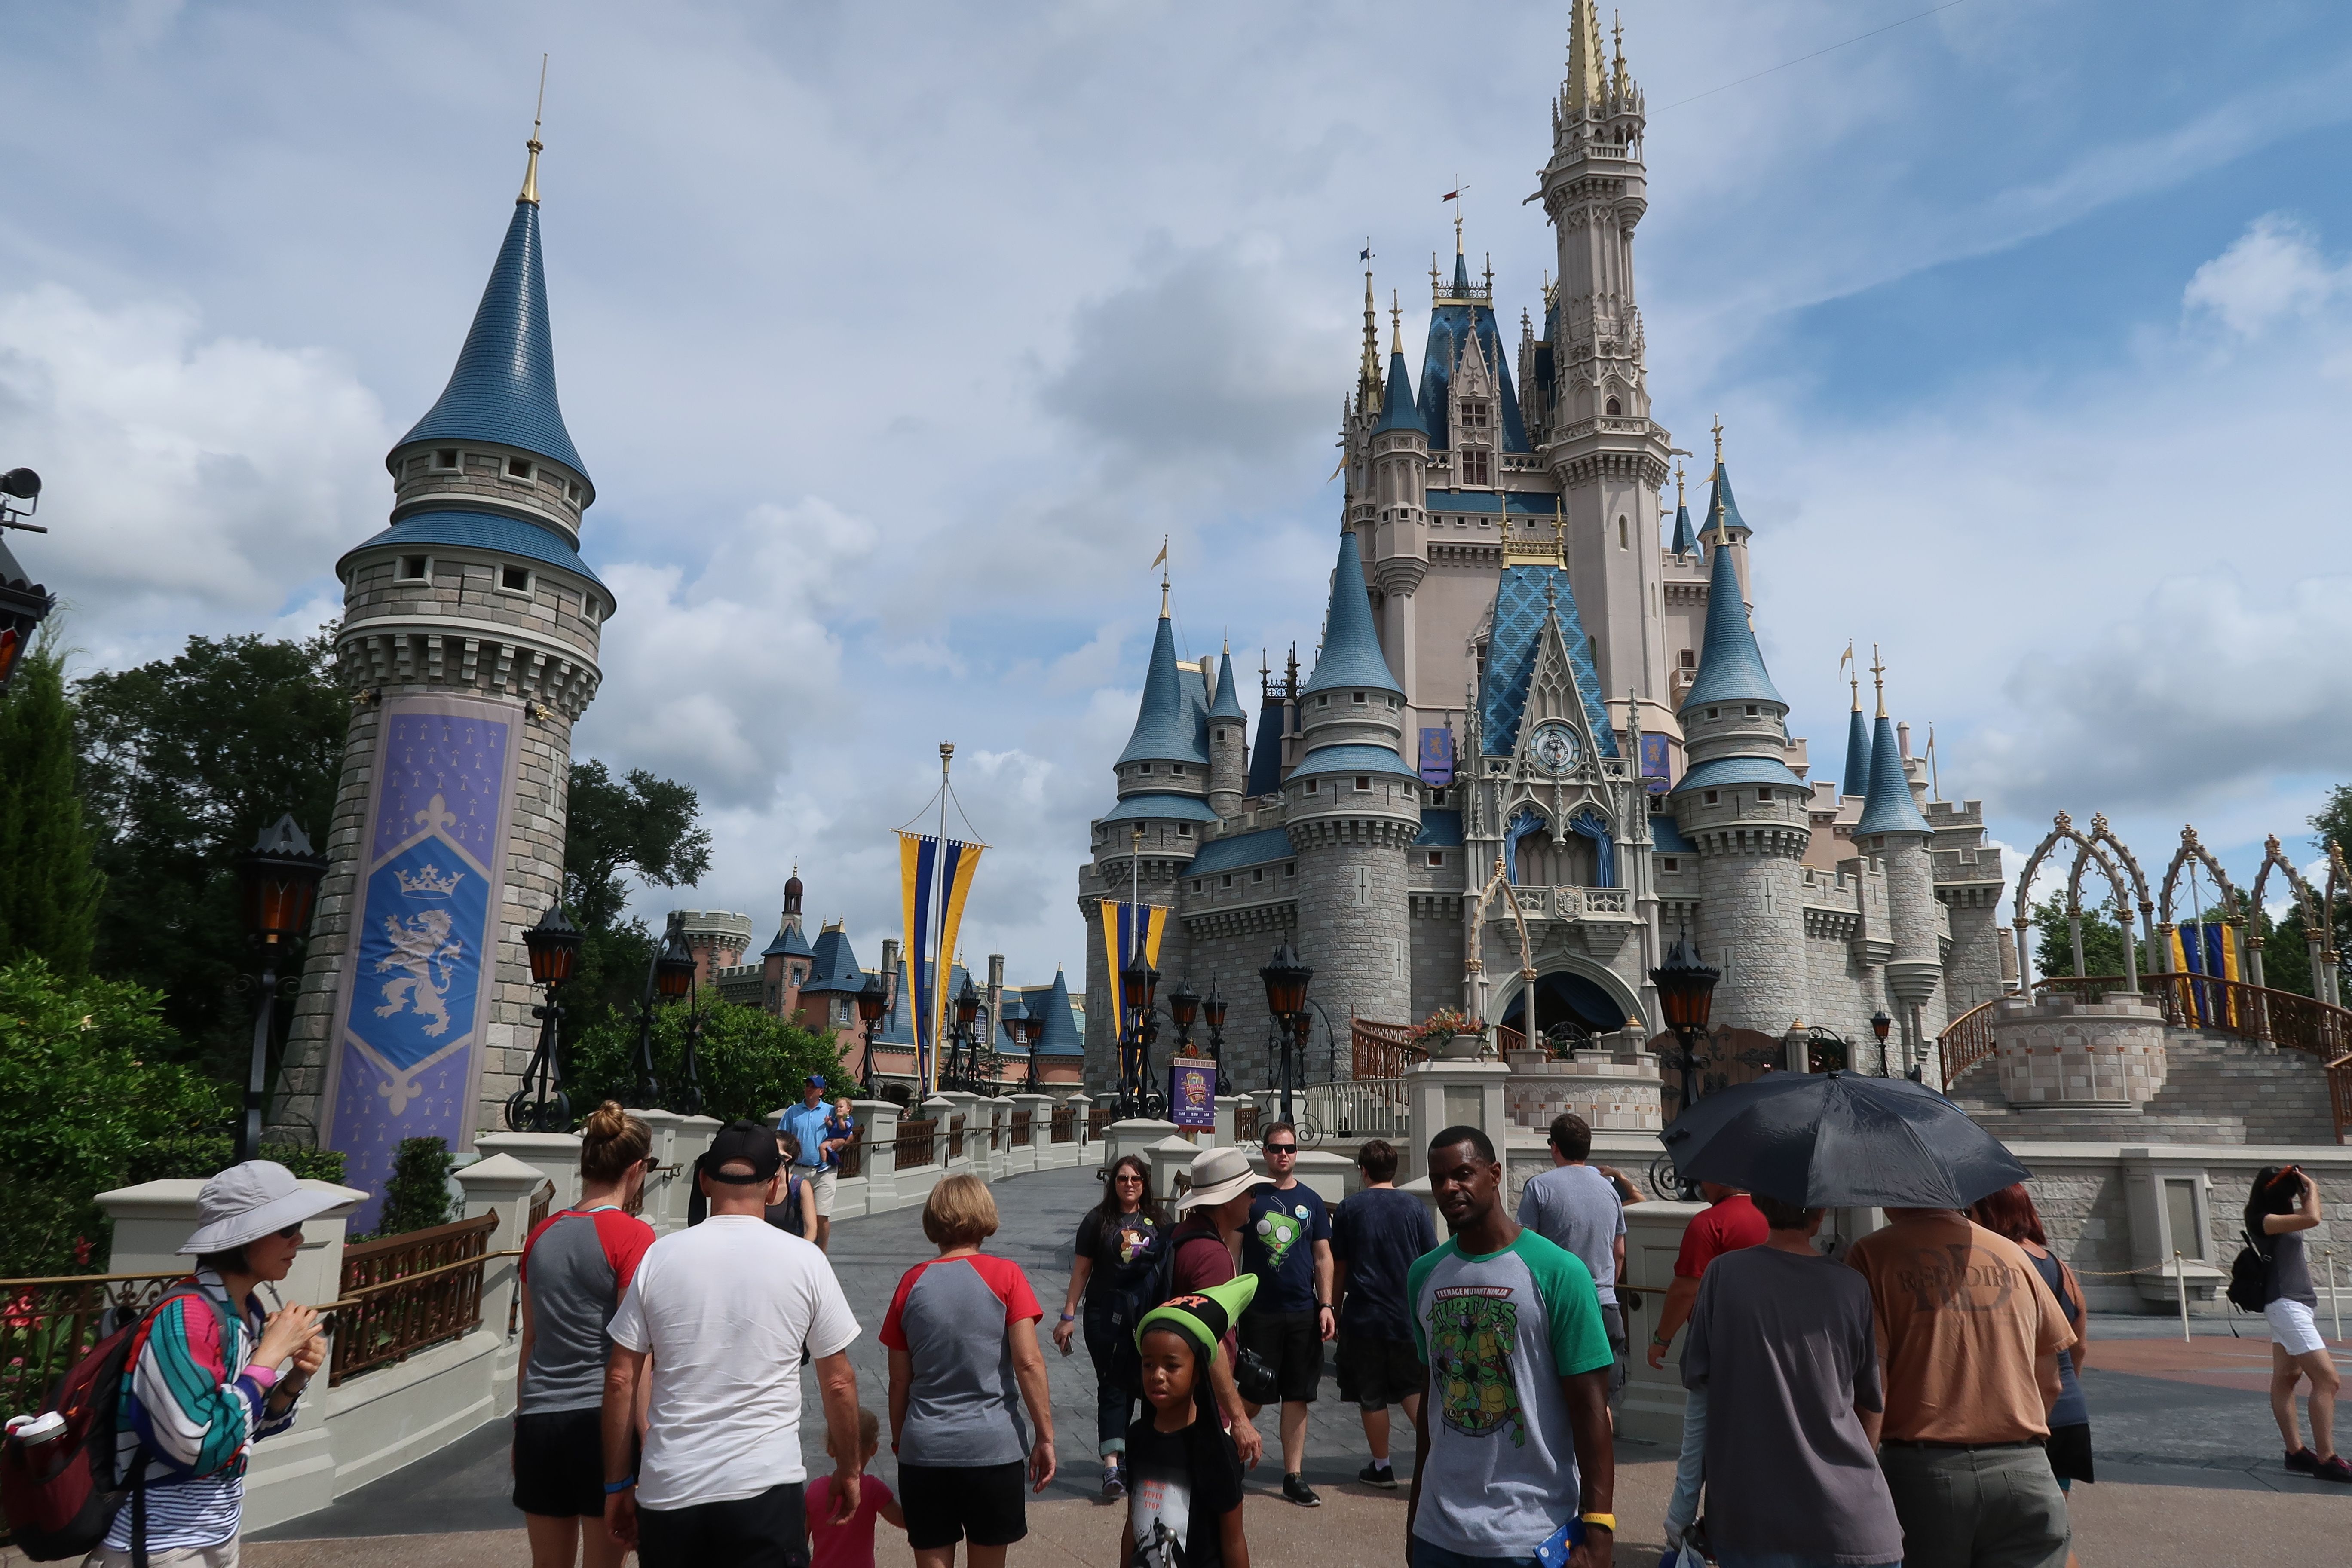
column 1180, row 1486
column 1278, row 1246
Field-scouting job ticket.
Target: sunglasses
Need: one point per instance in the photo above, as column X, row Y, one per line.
column 291, row 1233
column 1282, row 1148
column 1127, row 1177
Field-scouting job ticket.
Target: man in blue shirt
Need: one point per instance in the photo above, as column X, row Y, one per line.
column 1286, row 1242
column 806, row 1121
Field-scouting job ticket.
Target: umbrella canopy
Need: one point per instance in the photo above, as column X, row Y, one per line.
column 1837, row 1139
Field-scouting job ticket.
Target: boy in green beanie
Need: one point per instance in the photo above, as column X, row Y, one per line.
column 1184, row 1476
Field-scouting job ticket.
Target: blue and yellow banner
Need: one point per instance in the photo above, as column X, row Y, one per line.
column 2203, row 947
column 1120, row 923
column 934, row 879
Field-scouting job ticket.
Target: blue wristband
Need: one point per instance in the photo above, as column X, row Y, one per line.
column 612, row 1489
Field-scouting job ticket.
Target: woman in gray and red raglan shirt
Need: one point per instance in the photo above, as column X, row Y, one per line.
column 574, row 1267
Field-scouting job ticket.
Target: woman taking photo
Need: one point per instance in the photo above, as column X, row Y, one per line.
column 1118, row 1250
column 2010, row 1213
column 575, row 1265
column 2282, row 1206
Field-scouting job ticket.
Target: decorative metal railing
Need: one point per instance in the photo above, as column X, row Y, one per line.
column 853, row 1156
column 1066, row 1124
column 955, row 1138
column 917, row 1144
column 1021, row 1128
column 1367, row 1107
column 1245, row 1121
column 1383, row 1050
column 49, row 1323
column 1099, row 1119
column 405, row 1293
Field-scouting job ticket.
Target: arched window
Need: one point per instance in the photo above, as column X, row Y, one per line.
column 1624, row 536
column 1615, row 406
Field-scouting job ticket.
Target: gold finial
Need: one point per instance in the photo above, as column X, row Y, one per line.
column 1718, row 440
column 1559, row 530
column 1396, row 321
column 1490, row 272
column 1878, row 677
column 1163, row 576
column 531, row 167
column 1722, row 523
column 1678, row 484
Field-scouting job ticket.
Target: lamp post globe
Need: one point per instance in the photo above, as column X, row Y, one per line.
column 1879, row 1024
column 1286, row 980
column 277, row 879
column 538, row 1104
column 1686, row 995
column 871, row 1000
column 1212, row 1012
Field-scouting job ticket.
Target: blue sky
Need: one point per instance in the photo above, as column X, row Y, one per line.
column 896, row 338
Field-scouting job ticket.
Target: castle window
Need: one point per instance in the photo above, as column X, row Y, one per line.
column 1668, row 863
column 1290, row 870
column 1476, row 468
column 1625, row 535
column 514, row 579
column 1714, row 797
column 1310, row 787
column 447, row 457
column 1144, row 768
column 1364, row 782
column 1436, row 858
column 1393, row 703
column 1176, row 769
column 517, row 468
column 414, row 569
column 1357, row 698
column 1763, row 798
column 1183, row 830
column 1615, row 406
column 1196, row 884
column 1257, row 874
column 1323, row 700
column 1217, row 735
column 1751, row 710
column 1715, row 712
column 572, row 492
column 1227, row 880
column 1690, row 659
column 1474, row 415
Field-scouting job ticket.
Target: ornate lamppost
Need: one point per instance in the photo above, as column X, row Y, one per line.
column 871, row 1001
column 1140, row 984
column 1285, row 998
column 540, row 1104
column 279, row 880
column 1183, row 1007
column 961, row 1069
column 24, row 604
column 1685, row 995
column 668, row 976
column 1212, row 1012
column 1879, row 1024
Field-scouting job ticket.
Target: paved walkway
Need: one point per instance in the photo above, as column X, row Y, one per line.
column 2186, row 1446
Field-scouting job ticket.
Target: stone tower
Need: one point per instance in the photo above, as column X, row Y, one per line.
column 1892, row 831
column 1228, row 744
column 469, row 641
column 1744, row 812
column 1352, row 807
column 1609, row 459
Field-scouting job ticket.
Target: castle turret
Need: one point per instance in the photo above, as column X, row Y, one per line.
column 1353, row 807
column 1265, row 756
column 786, row 961
column 1893, row 832
column 1399, row 534
column 1228, row 744
column 469, row 639
column 1857, row 748
column 1744, row 811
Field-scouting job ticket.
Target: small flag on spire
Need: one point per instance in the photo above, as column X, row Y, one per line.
column 1449, row 195
column 1164, row 552
column 1365, row 254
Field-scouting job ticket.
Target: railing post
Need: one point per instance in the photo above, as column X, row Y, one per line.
column 505, row 1187
column 878, row 1119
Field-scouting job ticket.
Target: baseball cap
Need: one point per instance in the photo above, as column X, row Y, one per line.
column 816, row 1079
column 747, row 1142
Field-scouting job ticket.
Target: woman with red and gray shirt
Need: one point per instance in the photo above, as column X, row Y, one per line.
column 963, row 1336
column 575, row 1265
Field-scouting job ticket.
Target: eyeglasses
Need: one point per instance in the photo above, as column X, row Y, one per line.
column 1282, row 1148
column 291, row 1233
column 1127, row 1177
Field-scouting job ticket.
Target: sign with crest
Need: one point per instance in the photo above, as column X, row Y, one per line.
column 415, row 996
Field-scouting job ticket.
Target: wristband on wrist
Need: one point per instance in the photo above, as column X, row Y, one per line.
column 614, row 1488
column 1662, row 1344
column 1069, row 1317
column 1607, row 1521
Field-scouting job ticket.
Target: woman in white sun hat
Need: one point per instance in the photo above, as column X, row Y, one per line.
column 211, row 1372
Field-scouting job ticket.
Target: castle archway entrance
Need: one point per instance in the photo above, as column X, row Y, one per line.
column 1572, row 1003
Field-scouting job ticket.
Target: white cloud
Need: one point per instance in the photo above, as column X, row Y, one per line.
column 2272, row 272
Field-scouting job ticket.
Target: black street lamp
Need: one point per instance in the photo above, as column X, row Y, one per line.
column 1213, row 1012
column 1183, row 1007
column 871, row 1001
column 961, row 1069
column 1879, row 1024
column 1686, row 994
column 540, row 1104
column 279, row 880
column 1286, row 997
column 1139, row 984
column 24, row 604
column 668, row 976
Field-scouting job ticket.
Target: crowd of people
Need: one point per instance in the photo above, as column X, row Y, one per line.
column 1915, row 1400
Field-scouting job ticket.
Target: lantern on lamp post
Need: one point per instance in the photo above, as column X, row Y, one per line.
column 1139, row 986
column 669, row 975
column 1212, row 1012
column 540, row 1104
column 1286, row 981
column 872, row 1000
column 1879, row 1024
column 279, row 878
column 1686, row 995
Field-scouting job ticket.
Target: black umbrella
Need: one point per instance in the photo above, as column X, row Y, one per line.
column 1839, row 1140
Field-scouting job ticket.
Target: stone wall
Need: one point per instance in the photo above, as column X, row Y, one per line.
column 2056, row 1050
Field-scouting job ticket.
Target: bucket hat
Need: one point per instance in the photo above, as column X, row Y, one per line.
column 248, row 1202
column 1217, row 1174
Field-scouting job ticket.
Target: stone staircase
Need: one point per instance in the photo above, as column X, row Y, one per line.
column 2217, row 1091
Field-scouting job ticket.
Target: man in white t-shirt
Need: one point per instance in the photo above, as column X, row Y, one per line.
column 726, row 1309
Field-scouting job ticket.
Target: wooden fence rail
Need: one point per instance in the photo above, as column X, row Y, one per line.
column 1066, row 1124
column 917, row 1145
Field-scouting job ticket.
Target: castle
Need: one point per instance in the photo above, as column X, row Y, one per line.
column 1584, row 704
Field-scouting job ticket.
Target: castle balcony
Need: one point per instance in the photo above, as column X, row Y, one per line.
column 1602, row 917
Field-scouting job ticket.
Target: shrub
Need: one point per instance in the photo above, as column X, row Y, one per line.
column 416, row 1197
column 749, row 1063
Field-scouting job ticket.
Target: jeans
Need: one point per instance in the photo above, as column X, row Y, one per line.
column 1977, row 1508
column 1690, row 1471
column 1113, row 1399
column 1421, row 1555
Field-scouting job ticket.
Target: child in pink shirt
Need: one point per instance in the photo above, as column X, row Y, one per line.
column 851, row 1544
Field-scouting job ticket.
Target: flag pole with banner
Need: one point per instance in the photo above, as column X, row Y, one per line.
column 935, row 876
column 1121, row 922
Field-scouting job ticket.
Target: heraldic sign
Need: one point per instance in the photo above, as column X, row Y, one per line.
column 417, row 998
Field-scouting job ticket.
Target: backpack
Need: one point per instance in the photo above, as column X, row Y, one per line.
column 62, row 1507
column 2250, row 1277
column 1253, row 1378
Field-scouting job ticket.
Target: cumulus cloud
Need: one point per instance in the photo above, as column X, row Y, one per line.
column 2274, row 271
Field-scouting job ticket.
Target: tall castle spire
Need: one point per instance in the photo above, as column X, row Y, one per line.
column 1586, row 87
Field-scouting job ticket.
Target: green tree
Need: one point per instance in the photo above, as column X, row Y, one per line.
column 2287, row 957
column 636, row 827
column 2103, row 941
column 49, row 889
column 86, row 1092
column 184, row 761
column 749, row 1063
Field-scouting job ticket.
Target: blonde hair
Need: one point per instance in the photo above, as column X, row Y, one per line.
column 869, row 1434
column 612, row 1141
column 961, row 1212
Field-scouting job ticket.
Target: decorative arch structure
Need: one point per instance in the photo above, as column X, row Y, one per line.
column 2232, row 909
column 2084, row 857
column 1611, row 985
column 2062, row 831
column 2315, row 941
column 1474, row 968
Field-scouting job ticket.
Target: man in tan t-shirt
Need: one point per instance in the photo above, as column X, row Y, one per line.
column 1969, row 1339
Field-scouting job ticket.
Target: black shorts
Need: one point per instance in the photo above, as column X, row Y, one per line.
column 559, row 1463
column 985, row 1504
column 2070, row 1452
column 1291, row 1343
column 1377, row 1371
column 769, row 1530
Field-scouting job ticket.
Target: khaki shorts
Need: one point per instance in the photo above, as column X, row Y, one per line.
column 221, row 1556
column 823, row 1185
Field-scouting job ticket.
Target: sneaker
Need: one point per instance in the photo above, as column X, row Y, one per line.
column 1380, row 1476
column 2334, row 1469
column 1114, row 1485
column 1295, row 1487
column 2303, row 1462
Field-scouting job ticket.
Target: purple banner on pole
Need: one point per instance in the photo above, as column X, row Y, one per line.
column 1193, row 1092
column 1655, row 777
column 1437, row 758
column 416, row 993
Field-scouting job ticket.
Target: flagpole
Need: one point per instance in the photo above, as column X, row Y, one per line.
column 937, row 915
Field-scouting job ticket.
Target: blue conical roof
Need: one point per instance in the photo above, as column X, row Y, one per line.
column 1265, row 757
column 1730, row 667
column 1857, row 755
column 1685, row 540
column 1061, row 1037
column 503, row 389
column 1461, row 273
column 1166, row 727
column 1228, row 702
column 1398, row 410
column 1351, row 652
column 1720, row 490
column 1888, row 807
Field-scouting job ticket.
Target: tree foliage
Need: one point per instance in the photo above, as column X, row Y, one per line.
column 639, row 825
column 185, row 761
column 417, row 1196
column 85, row 1093
column 749, row 1063
column 2103, row 941
column 49, row 892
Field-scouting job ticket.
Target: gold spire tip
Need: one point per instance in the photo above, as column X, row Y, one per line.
column 1878, row 677
column 1718, row 440
column 531, row 165
column 1396, row 324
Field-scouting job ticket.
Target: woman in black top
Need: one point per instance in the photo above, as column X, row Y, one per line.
column 1117, row 1253
column 2282, row 1206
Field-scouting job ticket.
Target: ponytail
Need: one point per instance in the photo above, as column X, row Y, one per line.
column 610, row 1141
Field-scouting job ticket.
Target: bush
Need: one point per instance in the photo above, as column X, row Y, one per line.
column 84, row 1097
column 417, row 1195
column 207, row 1155
column 749, row 1063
